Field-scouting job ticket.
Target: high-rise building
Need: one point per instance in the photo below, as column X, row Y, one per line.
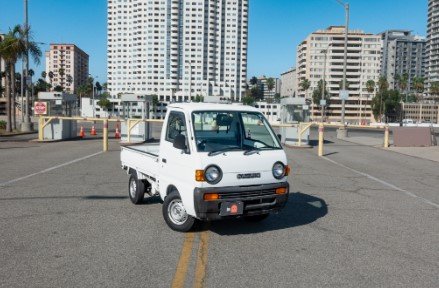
column 403, row 53
column 178, row 49
column 69, row 66
column 363, row 64
column 288, row 83
column 433, row 41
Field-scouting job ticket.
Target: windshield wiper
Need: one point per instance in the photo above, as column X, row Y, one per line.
column 217, row 152
column 252, row 151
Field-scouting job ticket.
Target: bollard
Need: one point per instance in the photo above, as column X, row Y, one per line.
column 386, row 137
column 321, row 130
column 105, row 135
column 40, row 128
column 299, row 132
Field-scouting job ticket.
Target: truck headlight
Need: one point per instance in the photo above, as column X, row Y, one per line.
column 213, row 174
column 278, row 170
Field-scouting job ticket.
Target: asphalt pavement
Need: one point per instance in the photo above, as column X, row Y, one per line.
column 359, row 217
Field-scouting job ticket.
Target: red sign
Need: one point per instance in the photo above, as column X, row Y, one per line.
column 40, row 108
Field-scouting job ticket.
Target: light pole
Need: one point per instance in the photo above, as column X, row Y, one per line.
column 93, row 93
column 26, row 125
column 325, row 53
column 342, row 132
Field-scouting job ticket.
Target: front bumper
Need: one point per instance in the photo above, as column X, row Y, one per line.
column 257, row 199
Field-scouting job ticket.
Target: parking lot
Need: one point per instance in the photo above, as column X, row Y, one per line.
column 359, row 217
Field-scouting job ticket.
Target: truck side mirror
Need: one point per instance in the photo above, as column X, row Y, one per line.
column 279, row 137
column 180, row 142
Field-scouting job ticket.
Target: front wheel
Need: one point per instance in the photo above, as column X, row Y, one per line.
column 175, row 214
column 136, row 189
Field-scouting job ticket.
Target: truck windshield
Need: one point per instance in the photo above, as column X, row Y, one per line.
column 221, row 131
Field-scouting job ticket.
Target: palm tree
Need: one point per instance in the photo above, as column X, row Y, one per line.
column 51, row 75
column 270, row 84
column 43, row 75
column 254, row 80
column 370, row 86
column 61, row 73
column 419, row 85
column 383, row 85
column 69, row 80
column 304, row 85
column 434, row 89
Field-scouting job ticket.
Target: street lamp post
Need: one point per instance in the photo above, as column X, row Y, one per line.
column 26, row 125
column 342, row 132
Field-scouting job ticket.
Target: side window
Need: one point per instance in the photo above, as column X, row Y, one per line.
column 176, row 126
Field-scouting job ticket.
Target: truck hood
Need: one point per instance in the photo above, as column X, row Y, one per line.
column 234, row 163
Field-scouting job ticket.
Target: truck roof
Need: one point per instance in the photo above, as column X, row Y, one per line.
column 212, row 106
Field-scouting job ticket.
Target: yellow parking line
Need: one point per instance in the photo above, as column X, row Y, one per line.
column 200, row 271
column 183, row 262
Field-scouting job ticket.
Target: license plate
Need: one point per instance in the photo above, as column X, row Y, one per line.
column 232, row 208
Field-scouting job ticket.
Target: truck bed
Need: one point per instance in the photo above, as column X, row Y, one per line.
column 142, row 158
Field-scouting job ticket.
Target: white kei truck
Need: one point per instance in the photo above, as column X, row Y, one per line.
column 213, row 161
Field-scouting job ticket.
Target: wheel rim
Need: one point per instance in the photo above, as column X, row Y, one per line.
column 176, row 212
column 133, row 188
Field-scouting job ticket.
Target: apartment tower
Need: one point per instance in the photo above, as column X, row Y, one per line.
column 69, row 66
column 433, row 42
column 363, row 64
column 403, row 54
column 178, row 49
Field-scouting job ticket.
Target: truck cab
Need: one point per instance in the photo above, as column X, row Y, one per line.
column 213, row 161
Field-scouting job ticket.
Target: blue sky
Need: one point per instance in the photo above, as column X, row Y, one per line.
column 276, row 27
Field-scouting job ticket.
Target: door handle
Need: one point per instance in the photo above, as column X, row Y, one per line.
column 163, row 160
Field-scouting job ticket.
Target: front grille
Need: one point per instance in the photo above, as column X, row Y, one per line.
column 258, row 194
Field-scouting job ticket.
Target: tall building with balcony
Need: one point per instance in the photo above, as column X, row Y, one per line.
column 363, row 64
column 178, row 49
column 433, row 41
column 403, row 53
column 69, row 65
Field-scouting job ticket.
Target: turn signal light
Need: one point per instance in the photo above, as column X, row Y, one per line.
column 211, row 196
column 199, row 175
column 287, row 170
column 281, row 190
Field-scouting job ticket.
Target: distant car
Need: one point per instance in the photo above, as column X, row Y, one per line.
column 407, row 121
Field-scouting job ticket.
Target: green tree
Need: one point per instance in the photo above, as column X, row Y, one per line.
column 383, row 84
column 58, row 88
column 43, row 75
column 304, row 85
column 253, row 80
column 69, row 80
column 41, row 86
column 340, row 85
column 419, row 86
column 277, row 98
column 12, row 48
column 104, row 102
column 199, row 98
column 51, row 75
column 370, row 86
column 270, row 84
column 317, row 94
column 386, row 104
column 248, row 100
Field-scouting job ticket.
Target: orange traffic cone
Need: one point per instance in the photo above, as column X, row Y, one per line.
column 93, row 131
column 117, row 134
column 81, row 132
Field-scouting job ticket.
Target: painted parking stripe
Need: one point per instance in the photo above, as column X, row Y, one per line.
column 408, row 193
column 48, row 169
column 183, row 262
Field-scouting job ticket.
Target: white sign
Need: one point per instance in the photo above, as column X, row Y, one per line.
column 40, row 108
column 323, row 102
column 305, row 107
column 344, row 94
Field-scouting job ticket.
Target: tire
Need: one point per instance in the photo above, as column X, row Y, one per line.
column 136, row 189
column 256, row 218
column 175, row 215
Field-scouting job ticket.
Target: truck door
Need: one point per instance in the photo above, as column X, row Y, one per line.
column 176, row 165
